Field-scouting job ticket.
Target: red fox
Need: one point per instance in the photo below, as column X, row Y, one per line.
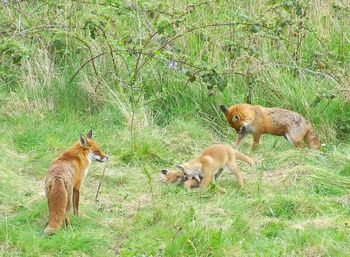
column 64, row 180
column 178, row 177
column 257, row 120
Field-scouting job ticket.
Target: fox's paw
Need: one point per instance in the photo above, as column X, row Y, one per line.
column 253, row 163
column 49, row 231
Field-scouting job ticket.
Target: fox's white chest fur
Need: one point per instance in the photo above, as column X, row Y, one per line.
column 86, row 171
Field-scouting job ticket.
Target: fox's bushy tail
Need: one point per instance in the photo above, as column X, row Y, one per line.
column 57, row 197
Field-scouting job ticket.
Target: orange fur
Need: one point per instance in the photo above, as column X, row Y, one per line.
column 257, row 120
column 178, row 177
column 191, row 183
column 207, row 166
column 64, row 180
column 173, row 176
column 213, row 160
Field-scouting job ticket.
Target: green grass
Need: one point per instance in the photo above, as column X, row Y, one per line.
column 147, row 115
column 294, row 203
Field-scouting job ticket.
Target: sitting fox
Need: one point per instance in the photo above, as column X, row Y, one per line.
column 208, row 166
column 257, row 120
column 64, row 180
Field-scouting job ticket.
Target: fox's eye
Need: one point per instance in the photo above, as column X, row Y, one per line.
column 235, row 118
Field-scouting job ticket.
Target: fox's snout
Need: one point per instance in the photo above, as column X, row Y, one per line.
column 98, row 157
column 103, row 159
column 245, row 128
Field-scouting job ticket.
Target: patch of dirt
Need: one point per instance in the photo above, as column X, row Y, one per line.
column 134, row 206
column 344, row 199
column 6, row 211
column 312, row 251
column 7, row 247
column 285, row 176
column 320, row 223
column 131, row 208
column 275, row 177
column 215, row 217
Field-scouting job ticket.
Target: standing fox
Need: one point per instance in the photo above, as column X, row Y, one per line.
column 257, row 120
column 65, row 177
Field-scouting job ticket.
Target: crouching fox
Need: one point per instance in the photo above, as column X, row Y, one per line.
column 257, row 120
column 202, row 170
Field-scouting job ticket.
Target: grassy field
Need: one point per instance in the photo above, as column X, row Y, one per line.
column 148, row 78
column 294, row 203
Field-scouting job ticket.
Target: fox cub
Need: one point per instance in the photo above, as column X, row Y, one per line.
column 178, row 177
column 208, row 166
column 257, row 120
column 64, row 180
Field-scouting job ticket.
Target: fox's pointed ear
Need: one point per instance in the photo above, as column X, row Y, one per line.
column 164, row 171
column 89, row 134
column 180, row 167
column 197, row 178
column 83, row 140
column 223, row 108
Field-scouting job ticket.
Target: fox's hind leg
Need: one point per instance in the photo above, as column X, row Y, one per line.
column 296, row 136
column 296, row 141
column 67, row 218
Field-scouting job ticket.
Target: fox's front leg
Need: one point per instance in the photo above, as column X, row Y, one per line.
column 75, row 201
column 256, row 138
column 239, row 140
column 206, row 181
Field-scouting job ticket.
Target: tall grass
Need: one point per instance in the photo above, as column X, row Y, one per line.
column 43, row 55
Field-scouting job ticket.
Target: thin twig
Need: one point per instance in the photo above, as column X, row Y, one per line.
column 110, row 49
column 99, row 184
column 83, row 65
column 138, row 68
